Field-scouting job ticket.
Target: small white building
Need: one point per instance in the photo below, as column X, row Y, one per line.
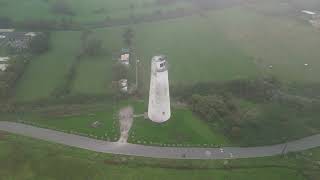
column 6, row 30
column 4, row 59
column 309, row 14
column 123, row 85
column 3, row 67
column 31, row 34
column 124, row 58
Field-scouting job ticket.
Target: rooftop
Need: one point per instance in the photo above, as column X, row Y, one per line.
column 4, row 59
column 3, row 67
column 308, row 12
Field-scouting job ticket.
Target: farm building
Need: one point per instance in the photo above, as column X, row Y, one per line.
column 6, row 30
column 4, row 59
column 123, row 85
column 125, row 57
column 312, row 17
column 3, row 63
column 17, row 40
column 3, row 67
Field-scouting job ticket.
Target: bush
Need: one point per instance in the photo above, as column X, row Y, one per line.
column 61, row 7
column 40, row 43
column 212, row 107
column 5, row 22
column 93, row 47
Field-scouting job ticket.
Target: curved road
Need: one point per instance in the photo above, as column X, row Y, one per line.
column 158, row 152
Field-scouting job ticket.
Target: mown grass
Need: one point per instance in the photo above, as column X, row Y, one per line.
column 183, row 128
column 74, row 119
column 25, row 158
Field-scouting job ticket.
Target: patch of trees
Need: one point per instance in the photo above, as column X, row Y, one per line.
column 128, row 36
column 216, row 102
column 120, row 71
column 256, row 90
column 212, row 107
column 62, row 7
column 40, row 43
column 91, row 46
column 6, row 22
column 100, row 11
column 10, row 77
column 38, row 25
column 166, row 2
column 218, row 109
column 64, row 89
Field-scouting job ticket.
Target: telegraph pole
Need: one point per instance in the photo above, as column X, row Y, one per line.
column 137, row 61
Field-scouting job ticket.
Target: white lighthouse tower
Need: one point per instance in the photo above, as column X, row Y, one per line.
column 159, row 97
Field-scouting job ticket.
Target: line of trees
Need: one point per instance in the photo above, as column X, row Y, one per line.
column 9, row 78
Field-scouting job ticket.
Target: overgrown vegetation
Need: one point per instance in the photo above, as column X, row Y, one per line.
column 9, row 78
column 254, row 112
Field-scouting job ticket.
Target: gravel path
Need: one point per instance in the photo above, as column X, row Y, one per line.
column 158, row 152
column 126, row 119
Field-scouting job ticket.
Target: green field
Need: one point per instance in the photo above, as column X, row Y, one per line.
column 94, row 74
column 183, row 128
column 283, row 42
column 223, row 45
column 83, row 11
column 217, row 46
column 25, row 158
column 229, row 44
column 46, row 72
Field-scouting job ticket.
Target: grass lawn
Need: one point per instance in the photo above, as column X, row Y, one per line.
column 26, row 158
column 80, row 123
column 47, row 71
column 183, row 128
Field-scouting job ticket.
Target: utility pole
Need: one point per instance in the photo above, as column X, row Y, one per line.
column 137, row 61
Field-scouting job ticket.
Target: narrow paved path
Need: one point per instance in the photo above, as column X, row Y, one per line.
column 158, row 152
